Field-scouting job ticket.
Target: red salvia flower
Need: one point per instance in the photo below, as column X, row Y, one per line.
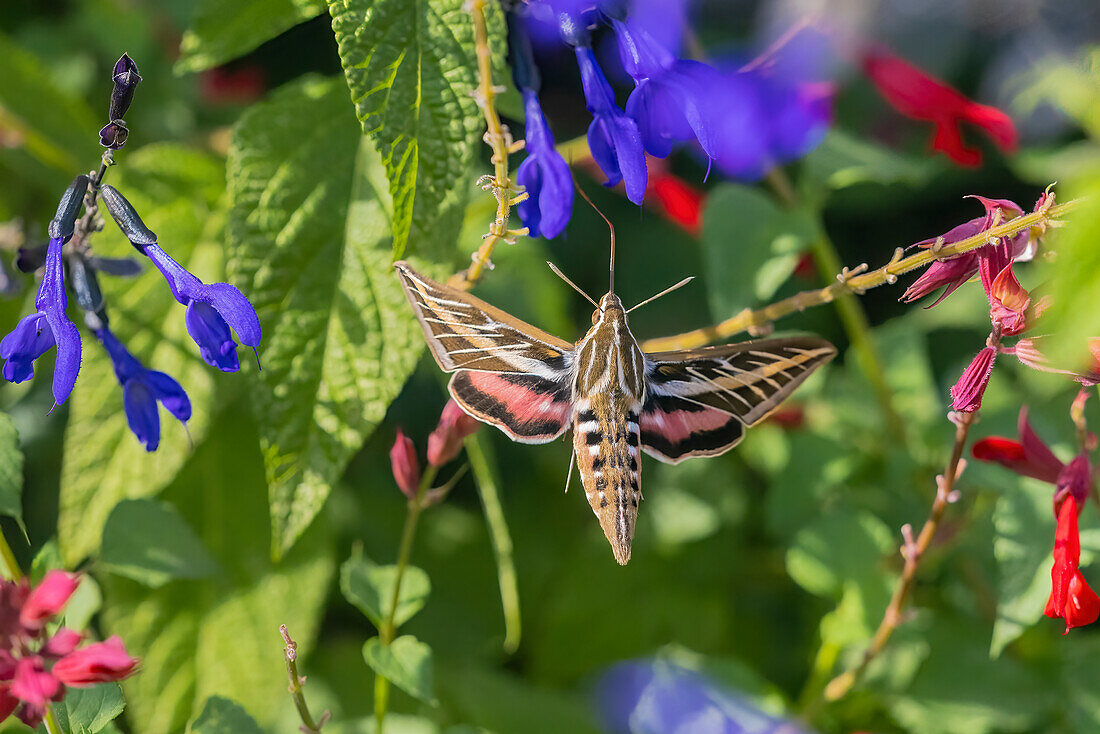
column 98, row 663
column 1070, row 596
column 674, row 198
column 920, row 96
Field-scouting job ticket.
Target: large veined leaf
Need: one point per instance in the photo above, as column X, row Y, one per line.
column 222, row 31
column 411, row 68
column 11, row 472
column 220, row 636
column 176, row 192
column 309, row 229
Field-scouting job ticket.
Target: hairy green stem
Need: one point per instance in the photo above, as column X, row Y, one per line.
column 388, row 630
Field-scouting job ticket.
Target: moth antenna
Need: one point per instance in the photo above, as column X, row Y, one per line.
column 666, row 291
column 576, row 287
column 610, row 226
column 572, row 460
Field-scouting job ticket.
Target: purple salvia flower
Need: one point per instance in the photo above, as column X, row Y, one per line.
column 544, row 174
column 141, row 389
column 613, row 138
column 35, row 334
column 212, row 309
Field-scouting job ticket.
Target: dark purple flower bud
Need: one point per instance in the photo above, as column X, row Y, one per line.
column 127, row 219
column 126, row 79
column 544, row 175
column 64, row 222
column 613, row 138
column 966, row 394
column 1075, row 480
column 36, row 333
column 114, row 134
column 84, row 283
column 122, row 267
column 211, row 309
column 142, row 388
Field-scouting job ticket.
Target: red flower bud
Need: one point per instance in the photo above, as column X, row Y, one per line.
column 445, row 441
column 1070, row 596
column 406, row 468
column 98, row 663
column 48, row 599
column 966, row 394
column 1009, row 302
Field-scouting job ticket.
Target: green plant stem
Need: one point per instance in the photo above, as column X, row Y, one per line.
column 389, row 629
column 52, row 726
column 500, row 538
column 309, row 725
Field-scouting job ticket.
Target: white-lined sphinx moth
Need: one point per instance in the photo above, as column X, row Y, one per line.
column 617, row 399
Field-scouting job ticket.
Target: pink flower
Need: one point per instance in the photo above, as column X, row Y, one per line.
column 97, row 663
column 1070, row 596
column 1008, row 303
column 48, row 599
column 406, row 468
column 916, row 94
column 966, row 394
column 1028, row 352
column 445, row 441
column 63, row 642
column 35, row 687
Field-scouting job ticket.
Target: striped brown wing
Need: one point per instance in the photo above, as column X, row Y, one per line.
column 465, row 332
column 698, row 402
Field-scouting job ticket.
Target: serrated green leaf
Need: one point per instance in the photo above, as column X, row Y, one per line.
column 406, row 662
column 221, row 31
column 370, row 588
column 89, row 710
column 11, row 472
column 223, row 716
column 176, row 191
column 220, row 636
column 150, row 543
column 750, row 246
column 309, row 229
column 1024, row 525
column 411, row 68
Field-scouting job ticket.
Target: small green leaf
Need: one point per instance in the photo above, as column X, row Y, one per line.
column 842, row 160
column 11, row 472
column 223, row 716
column 406, row 662
column 222, row 31
column 836, row 547
column 149, row 542
column 411, row 69
column 750, row 244
column 88, row 710
column 370, row 588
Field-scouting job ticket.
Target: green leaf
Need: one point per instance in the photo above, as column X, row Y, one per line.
column 11, row 472
column 56, row 129
column 149, row 542
column 220, row 635
column 1023, row 526
column 838, row 546
column 411, row 68
column 842, row 161
column 222, row 31
column 223, row 716
column 370, row 588
column 88, row 710
column 750, row 244
column 176, row 192
column 406, row 662
column 309, row 230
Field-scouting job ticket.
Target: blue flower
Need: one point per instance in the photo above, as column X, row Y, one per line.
column 35, row 334
column 613, row 138
column 657, row 697
column 211, row 309
column 545, row 176
column 141, row 389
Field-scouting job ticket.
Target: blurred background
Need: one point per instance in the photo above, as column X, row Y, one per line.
column 756, row 575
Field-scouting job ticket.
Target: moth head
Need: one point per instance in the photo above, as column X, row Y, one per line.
column 609, row 302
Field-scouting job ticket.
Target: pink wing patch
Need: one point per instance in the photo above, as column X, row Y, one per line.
column 529, row 408
column 674, row 429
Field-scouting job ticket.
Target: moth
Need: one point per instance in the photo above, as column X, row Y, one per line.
column 617, row 399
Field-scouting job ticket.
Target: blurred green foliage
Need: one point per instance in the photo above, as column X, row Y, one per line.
column 768, row 568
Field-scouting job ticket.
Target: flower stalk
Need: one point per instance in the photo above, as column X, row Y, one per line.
column 500, row 141
column 856, row 280
column 309, row 724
